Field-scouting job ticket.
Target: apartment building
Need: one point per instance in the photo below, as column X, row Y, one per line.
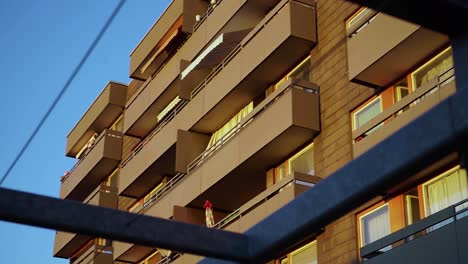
column 246, row 104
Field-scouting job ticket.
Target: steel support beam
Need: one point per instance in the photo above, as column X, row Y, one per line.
column 446, row 16
column 75, row 217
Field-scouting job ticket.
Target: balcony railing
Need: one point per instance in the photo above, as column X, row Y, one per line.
column 94, row 198
column 258, row 200
column 88, row 256
column 106, row 132
column 416, row 231
column 363, row 18
column 164, row 121
column 160, row 193
column 210, row 10
column 409, row 101
column 239, row 47
column 292, row 84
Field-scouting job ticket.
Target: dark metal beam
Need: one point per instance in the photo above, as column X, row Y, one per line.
column 439, row 132
column 445, row 16
column 74, row 217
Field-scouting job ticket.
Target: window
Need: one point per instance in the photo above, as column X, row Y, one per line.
column 228, row 127
column 303, row 161
column 304, row 255
column 111, row 181
column 401, row 89
column 422, row 201
column 439, row 66
column 301, row 71
column 118, row 124
column 445, row 190
column 366, row 113
column 153, row 192
column 412, row 207
column 374, row 225
column 151, row 259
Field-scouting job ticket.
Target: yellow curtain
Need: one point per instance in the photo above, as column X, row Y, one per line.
column 230, row 125
column 448, row 190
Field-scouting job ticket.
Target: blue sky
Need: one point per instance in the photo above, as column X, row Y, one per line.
column 41, row 43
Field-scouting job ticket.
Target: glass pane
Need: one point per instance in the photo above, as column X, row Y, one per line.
column 302, row 71
column 375, row 225
column 436, row 67
column 401, row 89
column 412, row 208
column 305, row 255
column 228, row 128
column 303, row 161
column 365, row 114
column 281, row 172
column 445, row 191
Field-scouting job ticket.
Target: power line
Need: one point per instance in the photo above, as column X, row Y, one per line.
column 64, row 88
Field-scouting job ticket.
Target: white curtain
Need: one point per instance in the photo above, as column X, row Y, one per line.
column 446, row 191
column 367, row 113
column 375, row 225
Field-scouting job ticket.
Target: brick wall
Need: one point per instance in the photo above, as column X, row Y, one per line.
column 333, row 147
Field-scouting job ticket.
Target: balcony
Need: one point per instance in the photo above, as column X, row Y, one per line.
column 439, row 238
column 277, row 44
column 101, row 114
column 67, row 244
column 130, row 253
column 156, row 93
column 165, row 36
column 403, row 112
column 382, row 48
column 97, row 163
column 258, row 208
column 249, row 150
column 96, row 254
column 230, row 86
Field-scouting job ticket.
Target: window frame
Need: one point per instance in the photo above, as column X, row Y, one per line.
column 362, row 107
column 298, row 154
column 421, row 67
column 288, row 258
column 368, row 212
column 425, row 184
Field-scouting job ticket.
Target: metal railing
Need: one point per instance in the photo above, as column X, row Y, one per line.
column 88, row 256
column 292, row 84
column 258, row 200
column 164, row 121
column 210, row 10
column 425, row 226
column 106, row 132
column 406, row 102
column 100, row 189
column 362, row 24
column 238, row 48
column 160, row 193
column 195, row 27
